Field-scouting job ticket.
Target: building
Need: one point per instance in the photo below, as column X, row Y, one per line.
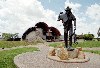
column 43, row 31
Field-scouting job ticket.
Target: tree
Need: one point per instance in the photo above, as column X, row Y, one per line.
column 7, row 36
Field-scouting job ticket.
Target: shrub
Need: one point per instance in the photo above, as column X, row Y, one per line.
column 88, row 36
column 79, row 36
column 98, row 39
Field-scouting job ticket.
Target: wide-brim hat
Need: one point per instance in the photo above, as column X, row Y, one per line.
column 68, row 8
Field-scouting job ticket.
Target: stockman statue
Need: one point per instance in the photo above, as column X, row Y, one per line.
column 98, row 32
column 67, row 19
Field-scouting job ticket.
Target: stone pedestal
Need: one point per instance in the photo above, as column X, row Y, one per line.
column 73, row 54
column 81, row 55
column 52, row 51
column 61, row 54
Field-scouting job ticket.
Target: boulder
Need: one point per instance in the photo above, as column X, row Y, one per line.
column 58, row 51
column 52, row 51
column 62, row 54
column 73, row 54
column 81, row 55
column 79, row 48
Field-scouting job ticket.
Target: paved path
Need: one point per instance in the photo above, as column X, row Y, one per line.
column 94, row 48
column 40, row 60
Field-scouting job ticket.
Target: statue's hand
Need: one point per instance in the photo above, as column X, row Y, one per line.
column 63, row 24
column 58, row 20
column 75, row 27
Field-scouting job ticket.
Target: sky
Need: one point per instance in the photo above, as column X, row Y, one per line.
column 16, row 16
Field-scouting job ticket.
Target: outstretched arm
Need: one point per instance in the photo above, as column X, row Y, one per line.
column 59, row 16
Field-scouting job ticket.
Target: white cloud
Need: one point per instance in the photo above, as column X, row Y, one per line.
column 74, row 6
column 19, row 15
column 94, row 12
column 16, row 16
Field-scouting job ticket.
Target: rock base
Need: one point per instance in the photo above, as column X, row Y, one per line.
column 69, row 60
column 63, row 55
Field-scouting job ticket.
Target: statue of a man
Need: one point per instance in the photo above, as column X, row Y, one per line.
column 67, row 19
column 98, row 32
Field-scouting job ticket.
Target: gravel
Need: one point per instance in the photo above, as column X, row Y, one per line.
column 39, row 60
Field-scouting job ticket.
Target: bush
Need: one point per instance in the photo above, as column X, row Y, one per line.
column 88, row 36
column 79, row 36
column 98, row 39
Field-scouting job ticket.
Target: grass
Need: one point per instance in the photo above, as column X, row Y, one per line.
column 55, row 44
column 93, row 51
column 89, row 44
column 84, row 44
column 9, row 44
column 7, row 56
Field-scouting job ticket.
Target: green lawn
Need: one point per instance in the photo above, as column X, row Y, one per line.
column 55, row 44
column 84, row 44
column 9, row 44
column 89, row 44
column 7, row 56
column 93, row 51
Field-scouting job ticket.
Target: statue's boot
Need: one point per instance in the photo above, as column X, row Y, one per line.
column 70, row 48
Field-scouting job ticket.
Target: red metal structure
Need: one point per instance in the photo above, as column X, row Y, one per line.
column 55, row 33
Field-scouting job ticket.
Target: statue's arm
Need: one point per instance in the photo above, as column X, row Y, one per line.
column 74, row 19
column 98, row 32
column 75, row 24
column 58, row 18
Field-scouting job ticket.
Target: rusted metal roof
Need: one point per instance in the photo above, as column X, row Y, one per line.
column 55, row 31
column 44, row 26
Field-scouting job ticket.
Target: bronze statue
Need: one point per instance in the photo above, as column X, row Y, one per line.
column 98, row 32
column 67, row 19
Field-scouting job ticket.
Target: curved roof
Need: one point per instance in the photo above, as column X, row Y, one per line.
column 45, row 28
column 42, row 25
column 55, row 31
column 28, row 31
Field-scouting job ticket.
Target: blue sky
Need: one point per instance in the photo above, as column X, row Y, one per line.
column 57, row 5
column 16, row 16
column 54, row 5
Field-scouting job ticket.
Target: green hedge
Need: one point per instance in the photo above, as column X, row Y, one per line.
column 88, row 36
column 98, row 39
